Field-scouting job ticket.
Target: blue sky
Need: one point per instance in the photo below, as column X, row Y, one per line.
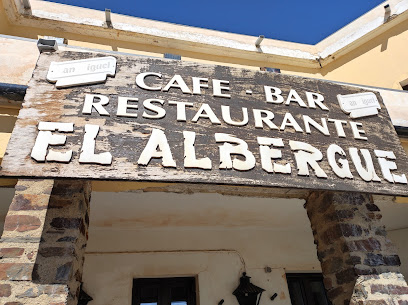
column 304, row 21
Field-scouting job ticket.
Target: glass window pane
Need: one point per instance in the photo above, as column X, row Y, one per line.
column 164, row 291
column 179, row 293
column 318, row 293
column 295, row 290
column 149, row 294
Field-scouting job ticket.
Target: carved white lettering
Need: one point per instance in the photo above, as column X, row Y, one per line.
column 227, row 149
column 140, row 81
column 197, row 84
column 181, row 109
column 123, row 106
column 314, row 99
column 157, row 147
column 387, row 166
column 293, row 96
column 307, row 155
column 88, row 148
column 261, row 120
column 159, row 111
column 46, row 138
column 226, row 116
column 218, row 87
column 339, row 127
column 357, row 133
column 274, row 97
column 367, row 174
column 206, row 112
column 96, row 101
column 322, row 128
column 342, row 171
column 267, row 154
column 290, row 121
column 190, row 160
column 177, row 82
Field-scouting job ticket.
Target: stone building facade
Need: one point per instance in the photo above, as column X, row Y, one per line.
column 56, row 239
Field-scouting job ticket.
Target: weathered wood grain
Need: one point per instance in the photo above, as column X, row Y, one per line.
column 126, row 138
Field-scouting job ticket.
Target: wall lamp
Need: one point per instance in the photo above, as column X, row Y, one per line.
column 247, row 293
column 259, row 40
column 83, row 298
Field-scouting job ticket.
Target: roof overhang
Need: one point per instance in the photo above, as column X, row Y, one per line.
column 184, row 38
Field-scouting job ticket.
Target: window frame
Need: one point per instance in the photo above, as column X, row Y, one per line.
column 305, row 279
column 164, row 286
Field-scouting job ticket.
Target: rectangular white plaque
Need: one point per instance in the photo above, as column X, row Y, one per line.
column 81, row 72
column 360, row 104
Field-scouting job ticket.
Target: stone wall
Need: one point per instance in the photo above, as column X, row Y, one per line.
column 359, row 263
column 43, row 243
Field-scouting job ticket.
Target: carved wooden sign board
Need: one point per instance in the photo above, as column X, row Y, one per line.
column 94, row 116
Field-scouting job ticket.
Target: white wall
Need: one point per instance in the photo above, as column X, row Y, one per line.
column 206, row 235
column 400, row 239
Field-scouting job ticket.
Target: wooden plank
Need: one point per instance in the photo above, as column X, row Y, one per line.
column 126, row 137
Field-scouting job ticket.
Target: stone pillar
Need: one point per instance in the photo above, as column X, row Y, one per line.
column 359, row 264
column 43, row 243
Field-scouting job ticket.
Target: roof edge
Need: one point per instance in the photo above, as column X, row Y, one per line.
column 162, row 34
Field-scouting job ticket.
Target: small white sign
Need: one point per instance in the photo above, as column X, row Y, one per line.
column 81, row 72
column 359, row 105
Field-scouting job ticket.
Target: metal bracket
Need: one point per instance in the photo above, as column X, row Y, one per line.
column 259, row 41
column 47, row 45
column 108, row 18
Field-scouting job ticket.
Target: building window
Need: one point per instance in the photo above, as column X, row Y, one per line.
column 164, row 291
column 172, row 56
column 275, row 70
column 307, row 289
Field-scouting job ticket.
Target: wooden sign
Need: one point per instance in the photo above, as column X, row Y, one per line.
column 175, row 121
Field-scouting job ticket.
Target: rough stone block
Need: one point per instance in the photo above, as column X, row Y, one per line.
column 389, row 289
column 375, row 302
column 66, row 223
column 21, row 223
column 351, row 229
column 25, row 202
column 345, row 214
column 374, row 260
column 5, row 290
column 372, row 207
column 56, row 251
column 63, row 272
column 54, row 289
column 15, row 271
column 392, row 260
column 369, row 244
column 330, row 234
column 346, row 276
column 11, row 252
column 332, row 265
column 29, row 293
column 335, row 292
